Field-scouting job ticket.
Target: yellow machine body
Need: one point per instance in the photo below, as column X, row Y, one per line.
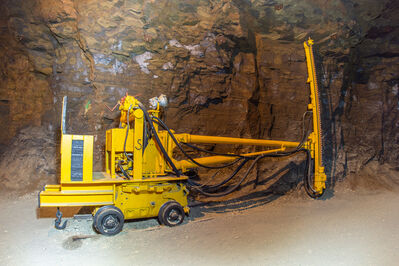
column 140, row 197
column 151, row 184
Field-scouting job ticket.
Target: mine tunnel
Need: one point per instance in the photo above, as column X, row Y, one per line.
column 222, row 132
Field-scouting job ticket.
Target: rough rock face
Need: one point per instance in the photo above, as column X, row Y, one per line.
column 236, row 64
column 29, row 162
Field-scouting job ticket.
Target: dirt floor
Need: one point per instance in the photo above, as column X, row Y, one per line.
column 349, row 228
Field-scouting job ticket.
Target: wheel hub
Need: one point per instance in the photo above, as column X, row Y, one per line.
column 110, row 222
column 174, row 216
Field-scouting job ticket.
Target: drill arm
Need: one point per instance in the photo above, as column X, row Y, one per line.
column 216, row 160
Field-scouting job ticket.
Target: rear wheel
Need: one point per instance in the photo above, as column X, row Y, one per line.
column 108, row 220
column 171, row 214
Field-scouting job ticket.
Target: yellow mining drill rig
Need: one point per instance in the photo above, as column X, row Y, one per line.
column 142, row 178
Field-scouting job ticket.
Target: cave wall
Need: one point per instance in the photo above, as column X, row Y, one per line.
column 228, row 67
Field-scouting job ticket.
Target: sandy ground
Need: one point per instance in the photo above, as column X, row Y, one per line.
column 350, row 228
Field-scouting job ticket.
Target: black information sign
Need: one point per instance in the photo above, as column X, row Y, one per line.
column 77, row 160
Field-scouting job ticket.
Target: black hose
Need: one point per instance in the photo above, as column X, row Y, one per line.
column 230, row 190
column 168, row 159
column 145, row 136
column 307, row 176
column 217, row 186
column 123, row 170
column 307, row 179
column 162, row 124
column 127, row 134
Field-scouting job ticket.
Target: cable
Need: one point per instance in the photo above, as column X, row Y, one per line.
column 216, row 186
column 145, row 136
column 123, row 170
column 221, row 194
column 307, row 179
column 168, row 159
column 127, row 133
column 307, row 176
column 210, row 179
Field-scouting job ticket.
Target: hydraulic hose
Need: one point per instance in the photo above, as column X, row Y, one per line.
column 307, row 179
column 123, row 170
column 161, row 147
column 217, row 186
column 230, row 190
column 145, row 136
column 127, row 134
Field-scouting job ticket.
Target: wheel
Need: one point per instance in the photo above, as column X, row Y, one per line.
column 160, row 219
column 171, row 214
column 108, row 220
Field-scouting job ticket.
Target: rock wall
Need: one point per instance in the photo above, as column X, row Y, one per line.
column 228, row 67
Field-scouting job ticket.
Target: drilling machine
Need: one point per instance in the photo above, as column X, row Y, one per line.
column 143, row 179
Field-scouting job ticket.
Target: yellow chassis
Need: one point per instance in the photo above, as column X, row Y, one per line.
column 137, row 199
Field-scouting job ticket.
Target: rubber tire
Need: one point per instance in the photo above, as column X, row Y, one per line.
column 106, row 212
column 167, row 209
column 99, row 211
column 160, row 219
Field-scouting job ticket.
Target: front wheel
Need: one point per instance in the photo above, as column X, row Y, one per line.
column 171, row 214
column 108, row 220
